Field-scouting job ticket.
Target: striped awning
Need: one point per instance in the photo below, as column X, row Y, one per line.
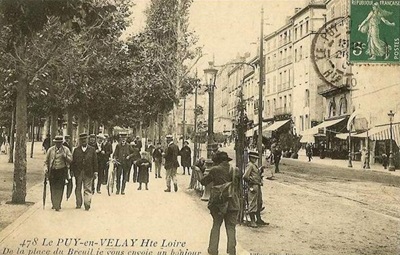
column 383, row 133
column 267, row 131
column 325, row 124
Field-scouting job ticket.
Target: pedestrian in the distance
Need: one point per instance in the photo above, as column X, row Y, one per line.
column 309, row 151
column 252, row 176
column 46, row 143
column 222, row 174
column 277, row 152
column 143, row 165
column 157, row 158
column 58, row 159
column 67, row 142
column 106, row 151
column 186, row 157
column 84, row 167
column 123, row 154
column 171, row 163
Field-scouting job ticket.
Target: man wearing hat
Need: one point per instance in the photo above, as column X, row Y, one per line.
column 252, row 176
column 106, row 151
column 223, row 173
column 123, row 154
column 171, row 163
column 57, row 161
column 84, row 166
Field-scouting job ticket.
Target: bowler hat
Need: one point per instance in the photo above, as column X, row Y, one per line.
column 253, row 154
column 58, row 138
column 83, row 136
column 92, row 136
column 168, row 136
column 123, row 135
column 221, row 156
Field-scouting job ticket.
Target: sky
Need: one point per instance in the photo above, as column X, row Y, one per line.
column 227, row 28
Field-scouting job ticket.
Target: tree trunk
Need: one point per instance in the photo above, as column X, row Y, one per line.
column 19, row 186
column 11, row 138
column 33, row 135
column 53, row 127
column 39, row 129
column 70, row 126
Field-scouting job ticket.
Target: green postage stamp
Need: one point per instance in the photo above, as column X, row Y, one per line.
column 375, row 31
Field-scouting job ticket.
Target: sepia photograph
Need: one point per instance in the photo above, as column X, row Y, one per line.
column 199, row 127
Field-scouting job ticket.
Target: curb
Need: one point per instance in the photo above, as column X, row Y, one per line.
column 7, row 231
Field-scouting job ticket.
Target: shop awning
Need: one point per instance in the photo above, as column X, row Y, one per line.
column 267, row 131
column 307, row 139
column 325, row 124
column 250, row 132
column 345, row 136
column 383, row 133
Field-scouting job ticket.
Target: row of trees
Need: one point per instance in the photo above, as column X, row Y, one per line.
column 67, row 58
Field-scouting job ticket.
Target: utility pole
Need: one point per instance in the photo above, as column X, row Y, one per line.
column 195, row 124
column 184, row 121
column 260, row 91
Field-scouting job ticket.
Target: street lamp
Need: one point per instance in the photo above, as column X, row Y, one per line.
column 391, row 163
column 210, row 76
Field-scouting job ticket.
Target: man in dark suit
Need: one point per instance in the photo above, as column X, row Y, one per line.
column 84, row 166
column 106, row 151
column 171, row 163
column 123, row 154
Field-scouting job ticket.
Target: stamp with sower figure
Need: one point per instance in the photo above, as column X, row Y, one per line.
column 375, row 31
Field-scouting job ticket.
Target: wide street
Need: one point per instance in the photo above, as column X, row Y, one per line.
column 311, row 208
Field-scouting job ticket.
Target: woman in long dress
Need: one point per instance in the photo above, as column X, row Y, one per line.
column 376, row 47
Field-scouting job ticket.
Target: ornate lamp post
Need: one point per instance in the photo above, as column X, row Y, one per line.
column 391, row 163
column 210, row 77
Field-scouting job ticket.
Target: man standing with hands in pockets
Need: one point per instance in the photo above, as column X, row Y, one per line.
column 84, row 167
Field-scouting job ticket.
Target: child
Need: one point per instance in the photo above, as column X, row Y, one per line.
column 143, row 165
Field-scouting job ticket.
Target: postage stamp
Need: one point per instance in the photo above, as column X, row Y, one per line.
column 375, row 31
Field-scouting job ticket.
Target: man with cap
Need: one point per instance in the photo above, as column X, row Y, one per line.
column 84, row 166
column 58, row 158
column 252, row 176
column 223, row 173
column 102, row 161
column 171, row 163
column 123, row 154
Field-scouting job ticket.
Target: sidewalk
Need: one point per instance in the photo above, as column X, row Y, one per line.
column 140, row 222
column 343, row 164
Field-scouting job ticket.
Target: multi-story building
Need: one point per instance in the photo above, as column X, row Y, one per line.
column 306, row 110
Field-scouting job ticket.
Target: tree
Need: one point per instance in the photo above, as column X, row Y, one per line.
column 34, row 33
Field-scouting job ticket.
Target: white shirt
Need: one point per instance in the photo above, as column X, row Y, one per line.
column 84, row 148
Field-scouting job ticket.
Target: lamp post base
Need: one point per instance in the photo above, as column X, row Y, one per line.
column 350, row 164
column 207, row 189
column 391, row 164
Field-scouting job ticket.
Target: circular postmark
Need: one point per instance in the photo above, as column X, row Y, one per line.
column 330, row 53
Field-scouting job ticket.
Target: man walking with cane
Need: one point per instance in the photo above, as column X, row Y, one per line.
column 171, row 163
column 58, row 158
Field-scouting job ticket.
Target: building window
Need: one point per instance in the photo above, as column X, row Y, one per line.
column 301, row 30
column 306, row 123
column 268, row 86
column 289, row 80
column 274, row 106
column 332, row 108
column 307, row 98
column 300, row 53
column 290, row 102
column 284, row 103
column 302, row 123
column 274, row 85
column 295, row 55
column 343, row 106
column 307, row 28
column 295, row 33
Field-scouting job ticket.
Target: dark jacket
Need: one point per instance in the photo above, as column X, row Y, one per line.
column 157, row 155
column 68, row 145
column 122, row 151
column 221, row 174
column 108, row 150
column 171, row 156
column 84, row 161
column 186, row 156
